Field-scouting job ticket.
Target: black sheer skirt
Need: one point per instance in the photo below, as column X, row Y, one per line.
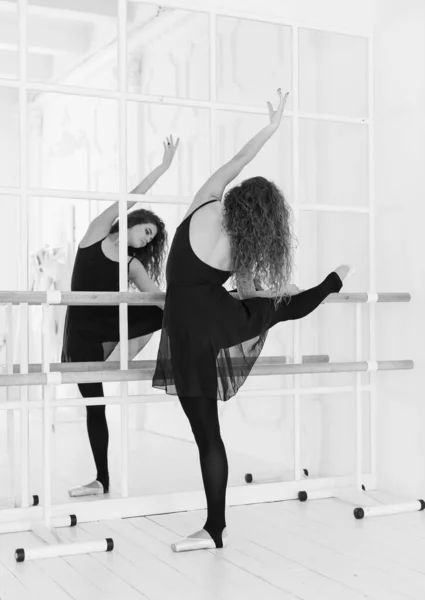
column 210, row 340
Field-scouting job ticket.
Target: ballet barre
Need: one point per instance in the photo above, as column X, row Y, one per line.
column 114, row 365
column 49, row 375
column 273, row 365
column 144, row 298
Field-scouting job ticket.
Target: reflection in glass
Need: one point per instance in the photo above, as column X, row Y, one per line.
column 58, row 225
column 9, row 244
column 73, row 145
column 147, row 126
column 9, row 138
column 333, row 73
column 73, row 45
column 340, row 238
column 9, row 44
column 73, row 142
column 274, row 161
column 168, row 51
column 258, row 432
column 10, row 251
column 254, row 60
column 328, row 444
column 333, row 166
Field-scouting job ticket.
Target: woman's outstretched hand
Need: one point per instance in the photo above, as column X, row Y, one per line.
column 276, row 115
column 170, row 148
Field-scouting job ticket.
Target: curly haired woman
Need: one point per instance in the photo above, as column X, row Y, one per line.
column 211, row 338
column 92, row 332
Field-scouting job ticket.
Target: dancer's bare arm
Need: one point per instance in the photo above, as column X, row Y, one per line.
column 138, row 275
column 215, row 185
column 101, row 225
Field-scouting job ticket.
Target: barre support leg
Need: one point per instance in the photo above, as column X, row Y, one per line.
column 18, row 526
column 59, row 550
column 389, row 509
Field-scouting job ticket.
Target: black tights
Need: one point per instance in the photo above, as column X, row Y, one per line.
column 203, row 417
column 203, row 414
column 83, row 346
column 97, row 428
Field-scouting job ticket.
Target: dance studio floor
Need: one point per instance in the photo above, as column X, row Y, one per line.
column 277, row 551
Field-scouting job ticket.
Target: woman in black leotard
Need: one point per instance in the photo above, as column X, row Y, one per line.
column 92, row 332
column 211, row 338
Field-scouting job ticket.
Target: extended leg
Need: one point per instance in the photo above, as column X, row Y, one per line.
column 306, row 302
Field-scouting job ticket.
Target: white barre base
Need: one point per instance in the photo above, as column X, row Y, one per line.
column 370, row 511
column 18, row 526
column 316, row 495
column 389, row 509
column 58, row 550
column 121, row 508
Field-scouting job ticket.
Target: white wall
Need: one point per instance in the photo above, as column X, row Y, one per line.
column 400, row 198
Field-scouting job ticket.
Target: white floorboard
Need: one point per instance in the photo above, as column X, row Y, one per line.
column 277, row 551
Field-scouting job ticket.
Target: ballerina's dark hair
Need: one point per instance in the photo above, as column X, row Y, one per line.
column 152, row 256
column 257, row 219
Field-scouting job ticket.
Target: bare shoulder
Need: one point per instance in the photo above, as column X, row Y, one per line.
column 210, row 213
column 206, row 225
column 200, row 199
column 213, row 209
column 135, row 267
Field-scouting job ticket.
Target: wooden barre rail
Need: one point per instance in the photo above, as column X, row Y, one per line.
column 137, row 298
column 273, row 365
column 133, row 364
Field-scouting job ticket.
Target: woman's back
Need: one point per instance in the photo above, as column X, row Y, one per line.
column 197, row 249
column 208, row 239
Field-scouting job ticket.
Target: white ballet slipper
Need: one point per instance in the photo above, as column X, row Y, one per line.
column 350, row 273
column 95, row 488
column 201, row 540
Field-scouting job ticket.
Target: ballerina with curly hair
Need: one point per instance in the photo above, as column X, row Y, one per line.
column 91, row 333
column 211, row 337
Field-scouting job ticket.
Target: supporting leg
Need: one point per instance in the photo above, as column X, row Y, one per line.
column 97, row 429
column 203, row 417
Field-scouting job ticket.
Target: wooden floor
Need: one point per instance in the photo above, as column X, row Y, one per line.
column 277, row 551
